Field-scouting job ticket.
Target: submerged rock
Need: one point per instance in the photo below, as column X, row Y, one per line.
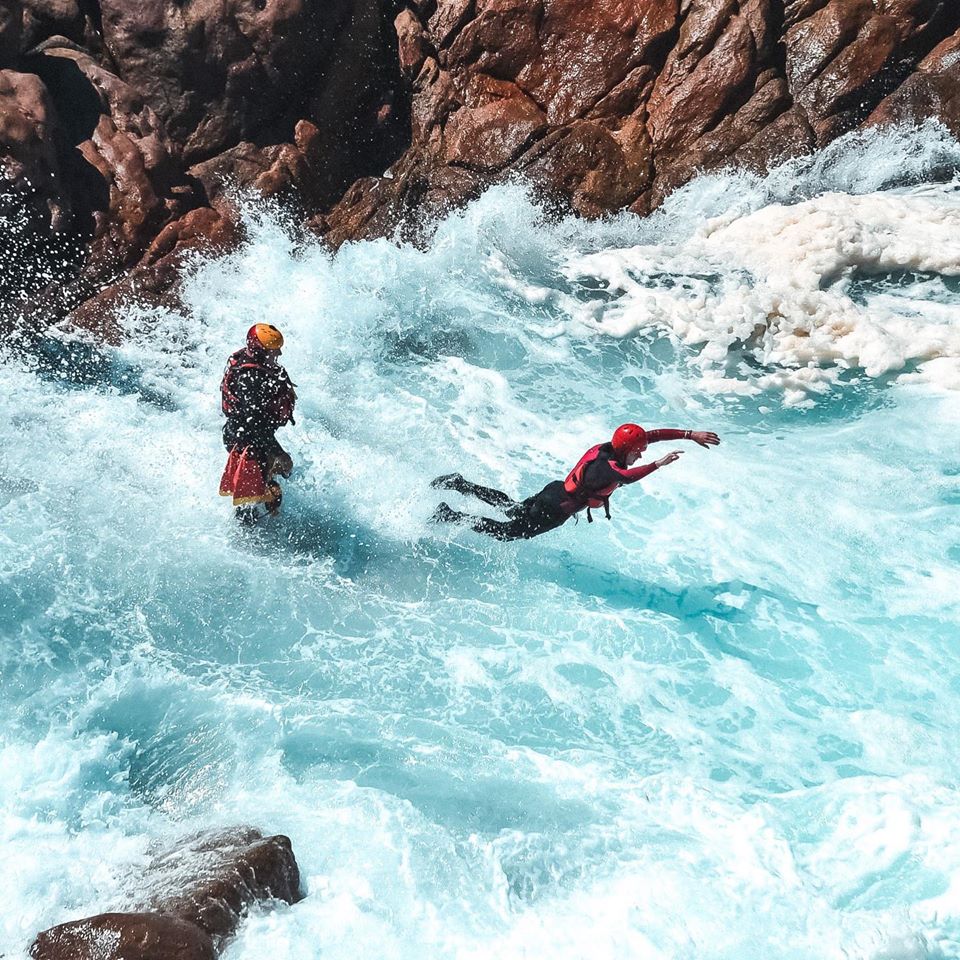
column 198, row 892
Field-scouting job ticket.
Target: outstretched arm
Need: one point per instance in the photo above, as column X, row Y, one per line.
column 632, row 474
column 703, row 437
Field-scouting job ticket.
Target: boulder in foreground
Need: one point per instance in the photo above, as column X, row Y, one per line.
column 197, row 894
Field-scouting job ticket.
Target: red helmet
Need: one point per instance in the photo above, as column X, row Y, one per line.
column 629, row 438
column 264, row 336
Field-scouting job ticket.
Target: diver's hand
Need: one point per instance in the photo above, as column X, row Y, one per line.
column 704, row 438
column 283, row 465
column 669, row 458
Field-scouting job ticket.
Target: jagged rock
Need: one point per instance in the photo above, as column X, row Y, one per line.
column 933, row 91
column 155, row 280
column 217, row 71
column 493, row 127
column 28, row 156
column 118, row 173
column 283, row 171
column 123, row 163
column 35, row 215
column 222, row 72
column 210, row 879
column 555, row 89
column 200, row 889
column 635, row 97
column 602, row 105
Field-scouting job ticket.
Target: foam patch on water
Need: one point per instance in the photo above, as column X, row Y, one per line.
column 776, row 284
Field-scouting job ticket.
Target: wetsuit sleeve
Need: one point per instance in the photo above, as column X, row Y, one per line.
column 631, row 474
column 655, row 436
column 602, row 473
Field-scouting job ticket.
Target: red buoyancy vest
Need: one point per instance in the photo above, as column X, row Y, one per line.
column 574, row 484
column 280, row 409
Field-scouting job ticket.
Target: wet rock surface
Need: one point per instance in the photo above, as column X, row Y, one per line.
column 124, row 936
column 629, row 100
column 119, row 119
column 198, row 891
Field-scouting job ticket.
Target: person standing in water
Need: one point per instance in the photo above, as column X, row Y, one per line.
column 598, row 473
column 257, row 398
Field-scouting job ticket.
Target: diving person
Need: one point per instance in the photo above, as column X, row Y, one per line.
column 257, row 398
column 598, row 473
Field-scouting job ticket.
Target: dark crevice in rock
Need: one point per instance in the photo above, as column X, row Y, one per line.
column 778, row 48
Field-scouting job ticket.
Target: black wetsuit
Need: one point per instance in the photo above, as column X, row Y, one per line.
column 543, row 511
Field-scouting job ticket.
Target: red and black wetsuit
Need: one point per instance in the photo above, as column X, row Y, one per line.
column 598, row 474
column 258, row 399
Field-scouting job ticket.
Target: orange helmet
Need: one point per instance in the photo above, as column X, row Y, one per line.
column 264, row 336
column 629, row 438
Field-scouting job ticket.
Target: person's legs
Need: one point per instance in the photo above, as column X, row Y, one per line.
column 536, row 515
column 249, row 479
column 455, row 482
column 498, row 529
column 246, row 516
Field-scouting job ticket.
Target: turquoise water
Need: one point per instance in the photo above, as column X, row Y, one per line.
column 720, row 726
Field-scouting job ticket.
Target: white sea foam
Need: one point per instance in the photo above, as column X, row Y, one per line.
column 776, row 284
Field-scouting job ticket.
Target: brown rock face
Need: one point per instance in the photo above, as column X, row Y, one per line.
column 34, row 212
column 933, row 91
column 209, row 880
column 154, row 281
column 127, row 116
column 156, row 107
column 122, row 157
column 106, row 170
column 216, row 71
column 28, row 153
column 201, row 888
column 223, row 72
column 619, row 102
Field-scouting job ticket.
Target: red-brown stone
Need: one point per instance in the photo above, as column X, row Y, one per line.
column 124, row 936
column 492, row 134
column 602, row 105
column 933, row 91
column 154, row 281
column 28, row 156
column 201, row 888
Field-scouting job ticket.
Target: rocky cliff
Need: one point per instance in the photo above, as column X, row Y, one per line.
column 123, row 125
